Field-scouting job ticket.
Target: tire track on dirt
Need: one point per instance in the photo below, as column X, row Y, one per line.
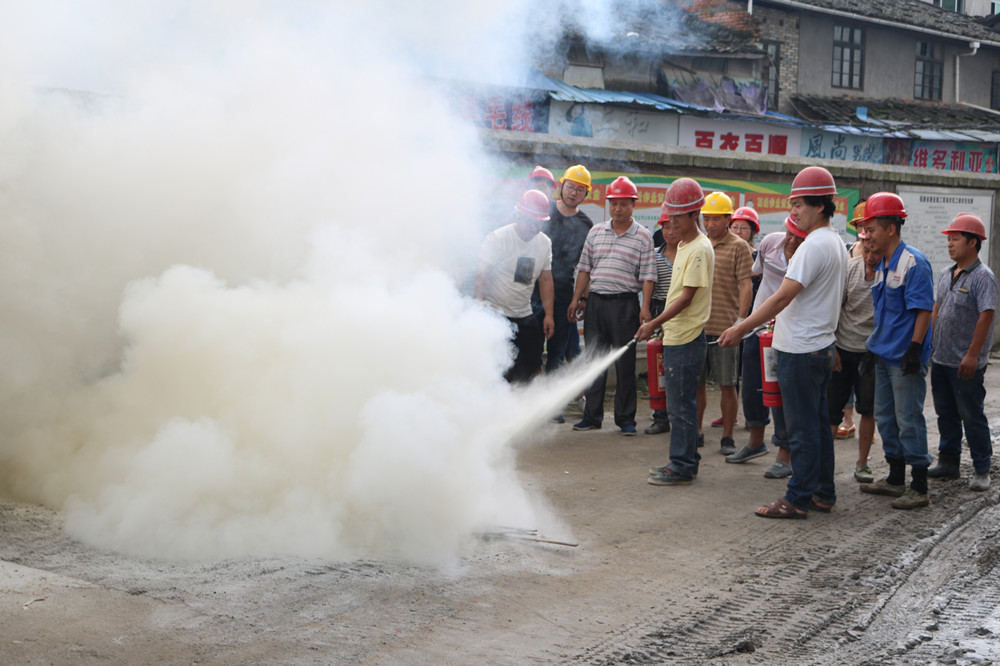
column 824, row 586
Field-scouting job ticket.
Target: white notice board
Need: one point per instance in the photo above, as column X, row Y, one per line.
column 929, row 210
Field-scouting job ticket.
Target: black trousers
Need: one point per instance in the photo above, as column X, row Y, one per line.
column 610, row 323
column 528, row 339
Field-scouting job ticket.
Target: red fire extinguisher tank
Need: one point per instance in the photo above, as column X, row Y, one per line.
column 654, row 371
column 769, row 369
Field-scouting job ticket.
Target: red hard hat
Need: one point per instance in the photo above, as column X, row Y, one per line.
column 750, row 215
column 969, row 223
column 884, row 204
column 683, row 196
column 622, row 188
column 533, row 204
column 542, row 172
column 794, row 228
column 813, row 181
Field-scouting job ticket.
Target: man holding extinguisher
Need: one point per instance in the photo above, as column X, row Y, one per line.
column 687, row 308
column 806, row 309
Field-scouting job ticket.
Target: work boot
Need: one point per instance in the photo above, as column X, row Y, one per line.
column 911, row 499
column 980, row 481
column 946, row 467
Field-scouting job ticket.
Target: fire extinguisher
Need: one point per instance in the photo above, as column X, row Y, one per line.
column 769, row 368
column 657, row 382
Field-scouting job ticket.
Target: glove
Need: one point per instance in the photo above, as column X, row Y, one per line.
column 866, row 364
column 910, row 364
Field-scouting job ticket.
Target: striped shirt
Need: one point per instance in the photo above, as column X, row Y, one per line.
column 663, row 271
column 618, row 264
column 733, row 263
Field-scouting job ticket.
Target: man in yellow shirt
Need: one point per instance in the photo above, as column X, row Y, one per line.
column 687, row 308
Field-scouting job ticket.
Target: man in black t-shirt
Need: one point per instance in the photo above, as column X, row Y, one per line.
column 568, row 227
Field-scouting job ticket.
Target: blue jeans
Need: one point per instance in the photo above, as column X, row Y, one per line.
column 682, row 365
column 804, row 379
column 899, row 414
column 753, row 398
column 959, row 403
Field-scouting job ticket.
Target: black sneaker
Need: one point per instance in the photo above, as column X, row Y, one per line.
column 657, row 428
column 701, row 441
column 727, row 446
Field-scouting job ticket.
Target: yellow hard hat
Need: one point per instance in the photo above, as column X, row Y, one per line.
column 578, row 174
column 717, row 203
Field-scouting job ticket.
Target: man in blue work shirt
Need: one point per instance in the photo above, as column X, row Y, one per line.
column 901, row 346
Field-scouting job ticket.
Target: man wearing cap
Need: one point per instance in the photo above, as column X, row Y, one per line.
column 901, row 346
column 689, row 302
column 615, row 265
column 665, row 254
column 732, row 296
column 806, row 309
column 511, row 260
column 567, row 227
column 850, row 373
column 963, row 335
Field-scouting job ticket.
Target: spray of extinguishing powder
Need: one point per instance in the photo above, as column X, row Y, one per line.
column 233, row 235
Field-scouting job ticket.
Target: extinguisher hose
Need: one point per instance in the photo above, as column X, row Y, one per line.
column 753, row 332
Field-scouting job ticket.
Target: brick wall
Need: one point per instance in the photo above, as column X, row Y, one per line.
column 782, row 27
column 730, row 13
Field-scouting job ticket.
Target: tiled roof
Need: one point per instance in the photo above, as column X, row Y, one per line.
column 930, row 115
column 669, row 30
column 905, row 13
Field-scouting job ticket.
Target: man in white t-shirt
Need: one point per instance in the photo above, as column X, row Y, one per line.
column 806, row 308
column 511, row 260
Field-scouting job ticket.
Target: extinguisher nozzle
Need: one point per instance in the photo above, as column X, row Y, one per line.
column 631, row 343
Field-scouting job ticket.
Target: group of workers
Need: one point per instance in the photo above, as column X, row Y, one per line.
column 864, row 322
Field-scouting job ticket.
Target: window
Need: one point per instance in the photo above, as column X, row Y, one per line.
column 927, row 77
column 951, row 5
column 848, row 56
column 773, row 50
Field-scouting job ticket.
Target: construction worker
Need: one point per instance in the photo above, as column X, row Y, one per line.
column 806, row 309
column 901, row 346
column 511, row 259
column 732, row 296
column 688, row 304
column 963, row 335
column 567, row 227
column 541, row 179
column 615, row 265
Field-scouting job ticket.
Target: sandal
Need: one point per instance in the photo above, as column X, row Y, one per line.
column 822, row 507
column 843, row 432
column 780, row 508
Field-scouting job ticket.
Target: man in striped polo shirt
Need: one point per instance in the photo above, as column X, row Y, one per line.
column 732, row 296
column 615, row 265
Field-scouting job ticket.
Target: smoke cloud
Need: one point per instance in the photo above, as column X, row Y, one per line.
column 232, row 237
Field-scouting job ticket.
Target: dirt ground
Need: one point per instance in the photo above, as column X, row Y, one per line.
column 659, row 575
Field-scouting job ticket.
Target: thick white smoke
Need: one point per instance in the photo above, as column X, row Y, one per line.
column 230, row 321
